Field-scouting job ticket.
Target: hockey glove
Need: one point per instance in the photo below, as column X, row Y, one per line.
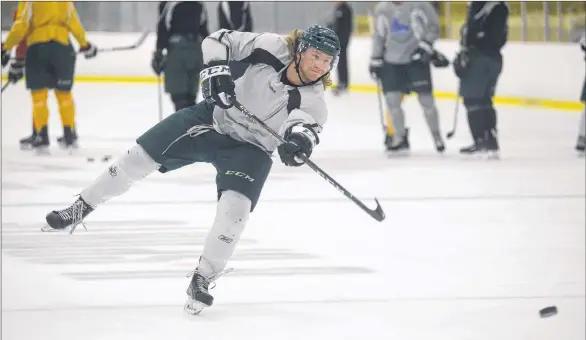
column 439, row 60
column 375, row 67
column 15, row 70
column 217, row 84
column 461, row 62
column 299, row 138
column 583, row 45
column 158, row 62
column 423, row 53
column 5, row 56
column 89, row 51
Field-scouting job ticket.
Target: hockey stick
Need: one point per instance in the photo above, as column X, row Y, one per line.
column 380, row 106
column 5, row 86
column 378, row 213
column 138, row 42
column 159, row 97
column 450, row 134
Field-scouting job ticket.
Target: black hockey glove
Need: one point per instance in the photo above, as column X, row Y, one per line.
column 89, row 51
column 439, row 60
column 158, row 62
column 423, row 53
column 461, row 62
column 5, row 56
column 300, row 138
column 217, row 84
column 15, row 70
column 375, row 67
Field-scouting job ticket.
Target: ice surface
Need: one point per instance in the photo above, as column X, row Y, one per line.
column 469, row 250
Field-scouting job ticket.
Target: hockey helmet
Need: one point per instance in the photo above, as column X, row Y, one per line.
column 321, row 38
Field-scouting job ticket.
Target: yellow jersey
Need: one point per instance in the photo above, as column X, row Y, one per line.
column 44, row 21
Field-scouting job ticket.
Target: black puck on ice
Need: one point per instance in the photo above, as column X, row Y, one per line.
column 548, row 311
column 90, row 159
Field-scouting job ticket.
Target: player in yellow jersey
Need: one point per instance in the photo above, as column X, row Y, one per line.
column 50, row 63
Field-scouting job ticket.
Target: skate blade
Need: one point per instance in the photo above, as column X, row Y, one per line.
column 398, row 153
column 25, row 147
column 49, row 229
column 493, row 155
column 66, row 147
column 69, row 230
column 42, row 151
column 480, row 155
column 193, row 307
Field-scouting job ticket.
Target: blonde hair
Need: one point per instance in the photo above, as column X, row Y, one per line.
column 291, row 39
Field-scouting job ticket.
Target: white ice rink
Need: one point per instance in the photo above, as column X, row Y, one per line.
column 470, row 250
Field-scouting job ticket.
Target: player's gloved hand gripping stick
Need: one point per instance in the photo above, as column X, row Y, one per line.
column 377, row 213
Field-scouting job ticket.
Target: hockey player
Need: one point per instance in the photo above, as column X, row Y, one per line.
column 581, row 143
column 284, row 86
column 342, row 25
column 15, row 70
column 50, row 63
column 235, row 15
column 181, row 28
column 401, row 54
column 478, row 64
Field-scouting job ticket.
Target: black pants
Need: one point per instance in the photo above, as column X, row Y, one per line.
column 241, row 167
column 50, row 65
column 477, row 87
column 343, row 67
column 407, row 78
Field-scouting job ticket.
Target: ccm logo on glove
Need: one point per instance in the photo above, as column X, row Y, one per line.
column 220, row 70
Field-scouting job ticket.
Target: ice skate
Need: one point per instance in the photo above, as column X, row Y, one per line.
column 400, row 146
column 439, row 143
column 581, row 145
column 198, row 296
column 492, row 145
column 26, row 143
column 69, row 218
column 340, row 90
column 476, row 150
column 69, row 139
column 41, row 142
column 388, row 142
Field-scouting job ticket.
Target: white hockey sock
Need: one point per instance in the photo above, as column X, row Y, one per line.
column 231, row 216
column 135, row 165
column 430, row 110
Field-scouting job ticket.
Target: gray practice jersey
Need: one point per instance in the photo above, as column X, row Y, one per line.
column 261, row 90
column 400, row 26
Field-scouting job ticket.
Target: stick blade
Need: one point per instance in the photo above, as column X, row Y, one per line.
column 378, row 213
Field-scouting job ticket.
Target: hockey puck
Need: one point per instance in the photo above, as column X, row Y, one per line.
column 90, row 159
column 548, row 311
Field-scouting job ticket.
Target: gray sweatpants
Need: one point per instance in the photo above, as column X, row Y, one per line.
column 427, row 103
